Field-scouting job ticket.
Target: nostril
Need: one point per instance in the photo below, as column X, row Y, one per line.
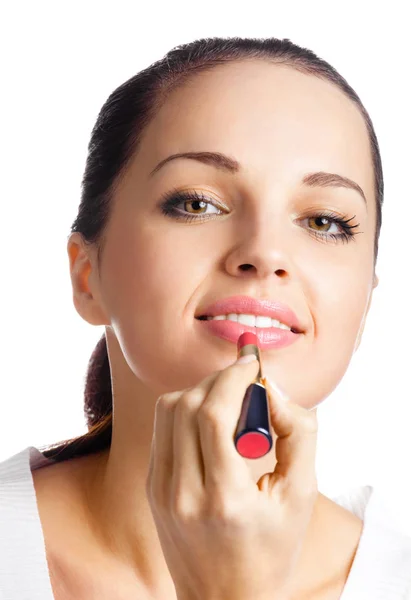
column 246, row 267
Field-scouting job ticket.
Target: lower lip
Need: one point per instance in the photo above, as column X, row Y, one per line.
column 270, row 337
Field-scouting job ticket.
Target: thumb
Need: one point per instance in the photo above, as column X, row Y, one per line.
column 296, row 430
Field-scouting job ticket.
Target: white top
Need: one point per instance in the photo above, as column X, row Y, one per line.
column 381, row 569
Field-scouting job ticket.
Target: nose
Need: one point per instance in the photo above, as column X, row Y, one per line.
column 261, row 255
column 263, row 271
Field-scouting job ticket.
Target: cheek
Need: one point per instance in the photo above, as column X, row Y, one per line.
column 341, row 299
column 338, row 302
column 150, row 284
column 150, row 273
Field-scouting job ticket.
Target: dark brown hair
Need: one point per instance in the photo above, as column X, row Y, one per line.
column 114, row 140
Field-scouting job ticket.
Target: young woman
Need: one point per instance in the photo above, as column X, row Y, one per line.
column 234, row 179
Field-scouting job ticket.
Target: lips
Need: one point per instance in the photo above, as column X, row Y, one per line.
column 251, row 306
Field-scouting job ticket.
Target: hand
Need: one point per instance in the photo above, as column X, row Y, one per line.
column 224, row 536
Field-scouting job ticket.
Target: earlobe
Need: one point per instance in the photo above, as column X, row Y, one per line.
column 84, row 279
column 85, row 299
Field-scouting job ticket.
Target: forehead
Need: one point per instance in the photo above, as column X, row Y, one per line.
column 277, row 122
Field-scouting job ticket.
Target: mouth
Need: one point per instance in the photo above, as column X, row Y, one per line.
column 254, row 314
column 249, row 322
column 271, row 334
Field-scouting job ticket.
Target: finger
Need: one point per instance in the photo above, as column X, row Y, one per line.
column 161, row 467
column 218, row 417
column 188, row 464
column 296, row 429
column 161, row 457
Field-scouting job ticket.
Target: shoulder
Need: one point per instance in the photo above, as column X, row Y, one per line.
column 23, row 563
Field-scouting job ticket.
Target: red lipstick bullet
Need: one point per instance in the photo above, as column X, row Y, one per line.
column 253, row 438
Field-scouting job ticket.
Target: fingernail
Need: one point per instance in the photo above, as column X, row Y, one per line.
column 246, row 359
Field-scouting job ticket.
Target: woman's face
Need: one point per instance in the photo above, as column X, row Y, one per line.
column 158, row 271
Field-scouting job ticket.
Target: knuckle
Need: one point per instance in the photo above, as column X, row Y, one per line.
column 225, row 510
column 211, row 414
column 183, row 508
column 191, row 399
column 167, row 401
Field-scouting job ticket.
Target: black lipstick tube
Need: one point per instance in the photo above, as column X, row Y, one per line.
column 252, row 437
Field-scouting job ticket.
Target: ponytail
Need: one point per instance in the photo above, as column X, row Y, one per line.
column 98, row 410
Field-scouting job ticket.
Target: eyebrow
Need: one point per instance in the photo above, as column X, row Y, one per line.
column 230, row 165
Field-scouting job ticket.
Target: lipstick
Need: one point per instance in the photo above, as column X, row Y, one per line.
column 252, row 437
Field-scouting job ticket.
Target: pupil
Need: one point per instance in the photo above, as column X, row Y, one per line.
column 321, row 221
column 197, row 204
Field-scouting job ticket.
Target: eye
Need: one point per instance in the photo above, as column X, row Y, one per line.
column 193, row 205
column 322, row 223
column 197, row 206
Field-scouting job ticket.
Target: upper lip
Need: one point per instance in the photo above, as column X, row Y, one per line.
column 251, row 306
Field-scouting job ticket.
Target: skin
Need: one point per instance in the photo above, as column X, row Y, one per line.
column 157, row 273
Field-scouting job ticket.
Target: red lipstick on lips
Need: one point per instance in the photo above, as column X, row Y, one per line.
column 271, row 337
column 252, row 437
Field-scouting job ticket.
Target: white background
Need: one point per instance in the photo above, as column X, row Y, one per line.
column 59, row 64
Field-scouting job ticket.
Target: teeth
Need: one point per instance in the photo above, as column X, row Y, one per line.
column 267, row 322
column 251, row 320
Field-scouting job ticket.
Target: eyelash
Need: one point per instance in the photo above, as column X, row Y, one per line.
column 173, row 198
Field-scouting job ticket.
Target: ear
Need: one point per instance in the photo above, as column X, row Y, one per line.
column 360, row 332
column 84, row 280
